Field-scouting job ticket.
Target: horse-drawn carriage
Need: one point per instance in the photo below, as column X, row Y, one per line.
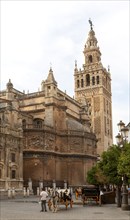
column 90, row 193
column 59, row 197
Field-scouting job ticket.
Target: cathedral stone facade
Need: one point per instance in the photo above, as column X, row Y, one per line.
column 48, row 136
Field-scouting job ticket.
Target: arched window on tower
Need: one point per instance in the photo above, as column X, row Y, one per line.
column 23, row 123
column 13, row 174
column 87, row 80
column 97, row 79
column 78, row 83
column 82, row 83
column 13, row 157
column 93, row 80
column 37, row 123
column 90, row 58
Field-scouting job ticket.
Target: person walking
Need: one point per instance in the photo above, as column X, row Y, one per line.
column 43, row 196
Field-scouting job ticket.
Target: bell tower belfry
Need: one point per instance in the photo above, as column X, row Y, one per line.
column 93, row 84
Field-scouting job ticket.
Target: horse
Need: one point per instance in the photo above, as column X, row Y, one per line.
column 53, row 201
column 57, row 197
column 65, row 197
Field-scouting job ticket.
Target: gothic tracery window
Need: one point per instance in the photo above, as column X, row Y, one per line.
column 93, row 80
column 82, row 83
column 97, row 79
column 90, row 58
column 87, row 80
column 77, row 83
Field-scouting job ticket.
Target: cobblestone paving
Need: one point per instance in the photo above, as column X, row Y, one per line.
column 30, row 210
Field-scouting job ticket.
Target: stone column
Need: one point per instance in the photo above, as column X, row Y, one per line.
column 21, row 165
column 30, row 184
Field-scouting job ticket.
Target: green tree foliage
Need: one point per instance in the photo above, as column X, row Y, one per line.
column 124, row 161
column 109, row 164
column 91, row 176
column 114, row 163
column 95, row 176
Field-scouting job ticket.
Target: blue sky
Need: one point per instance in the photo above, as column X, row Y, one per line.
column 37, row 34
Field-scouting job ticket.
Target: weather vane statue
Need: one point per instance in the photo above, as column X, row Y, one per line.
column 91, row 24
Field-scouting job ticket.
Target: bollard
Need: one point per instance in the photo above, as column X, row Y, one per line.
column 9, row 193
column 65, row 184
column 46, row 189
column 13, row 192
column 40, row 185
column 24, row 191
column 54, row 184
column 38, row 191
column 28, row 192
column 30, row 184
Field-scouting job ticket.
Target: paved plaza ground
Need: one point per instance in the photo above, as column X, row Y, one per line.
column 29, row 209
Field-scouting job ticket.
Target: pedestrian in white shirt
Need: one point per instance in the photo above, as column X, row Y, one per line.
column 43, row 196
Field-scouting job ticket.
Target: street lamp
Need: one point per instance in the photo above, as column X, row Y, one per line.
column 121, row 140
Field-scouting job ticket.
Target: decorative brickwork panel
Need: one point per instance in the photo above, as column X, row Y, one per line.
column 110, row 108
column 105, row 125
column 104, row 101
column 97, row 123
column 34, row 142
column 14, row 184
column 75, row 144
column 96, row 104
column 88, row 100
column 63, row 144
column 50, row 141
column 110, row 128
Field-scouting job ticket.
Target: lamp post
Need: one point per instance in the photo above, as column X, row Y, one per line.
column 121, row 140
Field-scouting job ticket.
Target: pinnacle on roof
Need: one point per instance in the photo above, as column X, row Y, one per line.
column 50, row 77
column 9, row 84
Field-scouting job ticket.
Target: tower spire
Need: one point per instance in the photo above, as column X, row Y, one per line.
column 93, row 84
column 91, row 50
